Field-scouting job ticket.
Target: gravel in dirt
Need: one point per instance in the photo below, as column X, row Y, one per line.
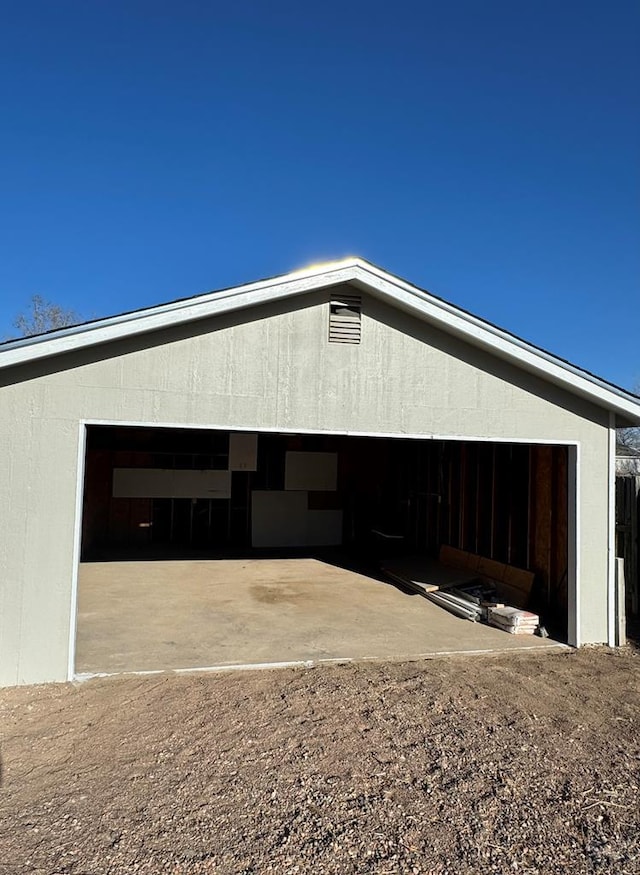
column 518, row 763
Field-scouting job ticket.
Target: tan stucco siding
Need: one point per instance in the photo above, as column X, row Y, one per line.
column 275, row 370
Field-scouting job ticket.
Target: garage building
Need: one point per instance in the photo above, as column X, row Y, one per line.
column 338, row 408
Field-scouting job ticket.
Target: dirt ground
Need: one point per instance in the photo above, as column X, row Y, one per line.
column 526, row 763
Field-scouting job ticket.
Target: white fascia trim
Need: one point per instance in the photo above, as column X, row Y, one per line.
column 373, row 280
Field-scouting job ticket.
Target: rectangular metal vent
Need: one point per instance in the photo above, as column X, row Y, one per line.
column 344, row 319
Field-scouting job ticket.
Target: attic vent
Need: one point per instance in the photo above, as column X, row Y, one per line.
column 344, row 319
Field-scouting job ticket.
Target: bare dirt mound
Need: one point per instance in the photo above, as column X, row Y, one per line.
column 519, row 763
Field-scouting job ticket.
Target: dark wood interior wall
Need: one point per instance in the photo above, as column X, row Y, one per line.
column 548, row 528
column 508, row 502
column 485, row 499
column 519, row 506
column 96, row 498
column 108, row 520
column 627, row 538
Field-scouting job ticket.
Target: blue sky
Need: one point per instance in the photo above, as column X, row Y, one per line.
column 485, row 150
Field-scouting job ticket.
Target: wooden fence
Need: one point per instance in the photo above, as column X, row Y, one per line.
column 627, row 520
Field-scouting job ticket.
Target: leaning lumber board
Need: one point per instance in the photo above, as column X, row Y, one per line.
column 512, row 595
column 473, row 561
column 453, row 556
column 492, row 569
column 519, row 579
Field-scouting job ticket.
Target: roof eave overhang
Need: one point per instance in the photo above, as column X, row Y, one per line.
column 169, row 315
column 370, row 279
column 503, row 344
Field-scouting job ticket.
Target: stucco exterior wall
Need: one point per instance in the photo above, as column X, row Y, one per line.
column 268, row 368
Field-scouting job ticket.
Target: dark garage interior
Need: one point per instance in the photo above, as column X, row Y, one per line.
column 351, row 500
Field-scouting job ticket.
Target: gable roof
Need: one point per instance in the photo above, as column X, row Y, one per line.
column 370, row 279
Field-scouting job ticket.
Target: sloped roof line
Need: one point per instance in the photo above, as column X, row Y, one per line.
column 508, row 338
column 369, row 277
column 180, row 304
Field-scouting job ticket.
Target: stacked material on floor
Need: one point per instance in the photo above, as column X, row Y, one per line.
column 480, row 603
column 457, row 602
column 468, row 593
column 513, row 620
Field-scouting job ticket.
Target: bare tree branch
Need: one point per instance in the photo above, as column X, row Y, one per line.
column 630, row 437
column 42, row 316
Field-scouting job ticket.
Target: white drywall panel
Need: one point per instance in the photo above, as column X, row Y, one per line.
column 243, row 451
column 278, row 519
column 282, row 519
column 170, row 483
column 315, row 472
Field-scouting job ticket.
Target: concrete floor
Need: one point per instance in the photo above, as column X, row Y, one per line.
column 142, row 616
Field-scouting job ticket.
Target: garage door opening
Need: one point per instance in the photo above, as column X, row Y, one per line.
column 158, row 495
